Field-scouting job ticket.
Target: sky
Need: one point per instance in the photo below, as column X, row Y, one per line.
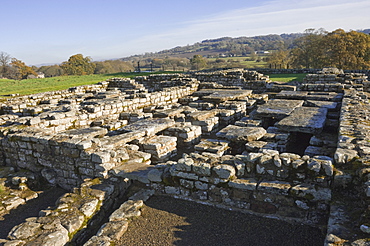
column 50, row 31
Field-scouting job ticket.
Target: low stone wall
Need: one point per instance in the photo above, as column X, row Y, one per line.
column 156, row 82
column 79, row 154
column 333, row 82
column 281, row 185
column 244, row 79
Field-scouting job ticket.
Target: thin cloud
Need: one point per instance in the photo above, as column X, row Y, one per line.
column 273, row 17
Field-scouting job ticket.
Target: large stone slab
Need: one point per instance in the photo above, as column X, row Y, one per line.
column 241, row 134
column 202, row 115
column 322, row 104
column 278, row 108
column 149, row 126
column 219, row 96
column 304, row 119
column 86, row 133
column 305, row 95
column 296, row 95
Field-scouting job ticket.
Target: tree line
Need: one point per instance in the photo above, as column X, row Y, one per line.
column 12, row 68
column 319, row 48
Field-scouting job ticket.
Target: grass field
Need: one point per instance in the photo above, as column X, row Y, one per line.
column 31, row 86
column 287, row 77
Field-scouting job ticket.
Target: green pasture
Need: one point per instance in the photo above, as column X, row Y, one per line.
column 287, row 77
column 32, row 86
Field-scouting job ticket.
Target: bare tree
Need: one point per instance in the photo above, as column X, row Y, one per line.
column 5, row 59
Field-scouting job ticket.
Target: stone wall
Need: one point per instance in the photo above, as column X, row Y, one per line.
column 281, row 185
column 235, row 78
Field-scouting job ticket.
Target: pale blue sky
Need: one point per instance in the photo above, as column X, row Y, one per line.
column 50, row 31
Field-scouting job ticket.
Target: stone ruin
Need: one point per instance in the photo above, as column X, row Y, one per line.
column 230, row 138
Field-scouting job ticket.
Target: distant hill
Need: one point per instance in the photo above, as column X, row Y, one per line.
column 367, row 31
column 225, row 46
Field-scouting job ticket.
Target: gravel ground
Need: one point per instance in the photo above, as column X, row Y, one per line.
column 169, row 221
column 30, row 209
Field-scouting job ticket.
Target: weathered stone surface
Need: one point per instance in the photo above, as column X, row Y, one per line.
column 149, row 126
column 255, row 146
column 72, row 221
column 113, row 230
column 278, row 108
column 24, row 230
column 56, row 238
column 304, row 119
column 13, row 202
column 322, row 104
column 224, row 171
column 342, row 156
column 219, row 96
column 86, row 133
column 241, row 134
column 184, row 164
column 274, row 187
column 89, row 207
column 212, row 145
column 202, row 169
column 155, row 175
column 14, row 243
column 127, row 210
column 202, row 115
column 143, row 195
column 309, row 192
column 244, row 184
column 314, row 165
column 297, row 95
column 98, row 241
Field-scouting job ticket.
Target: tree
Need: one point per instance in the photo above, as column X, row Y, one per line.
column 4, row 63
column 198, row 62
column 51, row 71
column 22, row 70
column 78, row 65
column 308, row 51
column 113, row 66
column 344, row 50
column 280, row 58
column 349, row 50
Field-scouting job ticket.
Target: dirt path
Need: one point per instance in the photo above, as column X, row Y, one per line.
column 168, row 221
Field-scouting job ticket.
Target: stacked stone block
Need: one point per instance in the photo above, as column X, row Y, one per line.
column 162, row 148
column 207, row 120
column 187, row 134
